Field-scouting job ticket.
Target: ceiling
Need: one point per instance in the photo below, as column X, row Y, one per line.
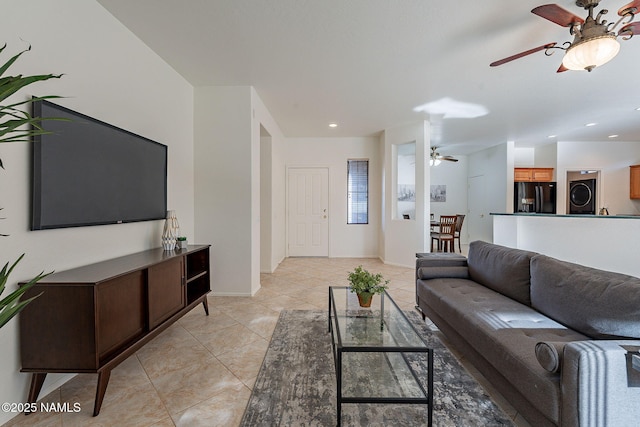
column 366, row 64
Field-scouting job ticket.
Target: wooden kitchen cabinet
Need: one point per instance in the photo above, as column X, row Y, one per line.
column 634, row 184
column 533, row 174
column 91, row 318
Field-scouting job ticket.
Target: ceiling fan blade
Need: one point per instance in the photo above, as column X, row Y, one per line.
column 449, row 159
column 562, row 69
column 623, row 9
column 634, row 27
column 557, row 15
column 521, row 54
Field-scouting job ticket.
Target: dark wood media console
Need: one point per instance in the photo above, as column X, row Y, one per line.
column 90, row 319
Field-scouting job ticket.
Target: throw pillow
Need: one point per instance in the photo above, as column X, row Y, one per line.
column 549, row 355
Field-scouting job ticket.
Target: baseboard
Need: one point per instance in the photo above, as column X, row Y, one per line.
column 229, row 294
column 273, row 268
column 395, row 264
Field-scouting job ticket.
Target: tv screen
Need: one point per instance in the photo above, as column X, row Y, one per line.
column 87, row 172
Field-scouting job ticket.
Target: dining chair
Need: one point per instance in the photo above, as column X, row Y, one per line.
column 445, row 233
column 456, row 235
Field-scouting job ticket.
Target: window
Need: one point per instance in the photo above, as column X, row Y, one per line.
column 405, row 158
column 357, row 191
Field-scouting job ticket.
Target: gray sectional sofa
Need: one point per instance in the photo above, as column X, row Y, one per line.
column 556, row 339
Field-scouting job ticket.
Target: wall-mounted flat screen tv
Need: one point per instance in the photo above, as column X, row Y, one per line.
column 88, row 172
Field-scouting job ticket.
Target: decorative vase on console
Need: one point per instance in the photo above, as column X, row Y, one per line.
column 171, row 231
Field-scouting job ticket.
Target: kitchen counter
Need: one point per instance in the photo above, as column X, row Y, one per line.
column 608, row 242
column 530, row 214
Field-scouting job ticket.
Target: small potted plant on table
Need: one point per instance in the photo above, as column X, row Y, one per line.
column 366, row 285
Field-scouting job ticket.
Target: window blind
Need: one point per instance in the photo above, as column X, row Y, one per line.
column 357, row 191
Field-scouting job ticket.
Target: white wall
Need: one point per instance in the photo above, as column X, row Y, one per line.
column 524, row 157
column 227, row 187
column 272, row 192
column 266, row 209
column 278, row 202
column 591, row 241
column 546, row 156
column 223, row 171
column 111, row 75
column 495, row 165
column 401, row 238
column 345, row 240
column 612, row 159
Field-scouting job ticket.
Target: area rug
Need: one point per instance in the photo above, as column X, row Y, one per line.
column 296, row 385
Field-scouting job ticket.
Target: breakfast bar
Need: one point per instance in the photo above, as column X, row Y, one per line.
column 601, row 241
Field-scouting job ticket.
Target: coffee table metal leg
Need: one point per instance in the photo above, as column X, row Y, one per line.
column 430, row 386
column 339, row 386
column 329, row 313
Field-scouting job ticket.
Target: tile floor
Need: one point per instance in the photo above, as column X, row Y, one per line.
column 201, row 370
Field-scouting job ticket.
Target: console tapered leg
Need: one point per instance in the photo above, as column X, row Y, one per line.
column 37, row 379
column 205, row 304
column 101, row 389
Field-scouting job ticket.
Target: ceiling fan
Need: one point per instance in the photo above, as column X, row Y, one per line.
column 595, row 40
column 435, row 158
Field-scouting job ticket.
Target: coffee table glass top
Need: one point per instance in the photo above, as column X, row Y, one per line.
column 383, row 326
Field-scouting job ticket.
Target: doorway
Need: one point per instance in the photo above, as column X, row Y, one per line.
column 582, row 192
column 308, row 212
column 266, row 238
column 479, row 226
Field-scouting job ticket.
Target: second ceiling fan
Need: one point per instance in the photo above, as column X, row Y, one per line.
column 435, row 158
column 595, row 40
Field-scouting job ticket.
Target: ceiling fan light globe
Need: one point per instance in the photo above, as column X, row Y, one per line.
column 434, row 162
column 591, row 53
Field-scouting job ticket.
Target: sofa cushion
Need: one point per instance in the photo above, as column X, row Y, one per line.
column 505, row 332
column 441, row 264
column 505, row 270
column 597, row 303
column 455, row 272
column 549, row 355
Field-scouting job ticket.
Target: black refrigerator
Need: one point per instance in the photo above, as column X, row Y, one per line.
column 534, row 197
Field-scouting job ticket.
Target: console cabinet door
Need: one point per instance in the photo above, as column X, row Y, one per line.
column 120, row 312
column 166, row 290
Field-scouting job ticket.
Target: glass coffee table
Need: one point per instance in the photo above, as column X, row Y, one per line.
column 369, row 350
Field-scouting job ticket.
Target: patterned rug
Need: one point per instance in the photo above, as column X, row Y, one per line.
column 296, row 385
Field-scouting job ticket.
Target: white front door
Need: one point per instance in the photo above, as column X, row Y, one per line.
column 308, row 212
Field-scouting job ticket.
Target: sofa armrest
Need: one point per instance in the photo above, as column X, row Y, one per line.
column 436, row 265
column 599, row 384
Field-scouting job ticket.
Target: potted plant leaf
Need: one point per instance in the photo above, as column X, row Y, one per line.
column 17, row 125
column 11, row 305
column 366, row 285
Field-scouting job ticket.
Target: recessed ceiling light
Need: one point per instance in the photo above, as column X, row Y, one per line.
column 333, row 125
column 552, row 136
column 638, row 109
column 590, row 124
column 613, row 136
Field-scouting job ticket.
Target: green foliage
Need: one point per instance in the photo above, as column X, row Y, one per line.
column 11, row 305
column 17, row 125
column 362, row 281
